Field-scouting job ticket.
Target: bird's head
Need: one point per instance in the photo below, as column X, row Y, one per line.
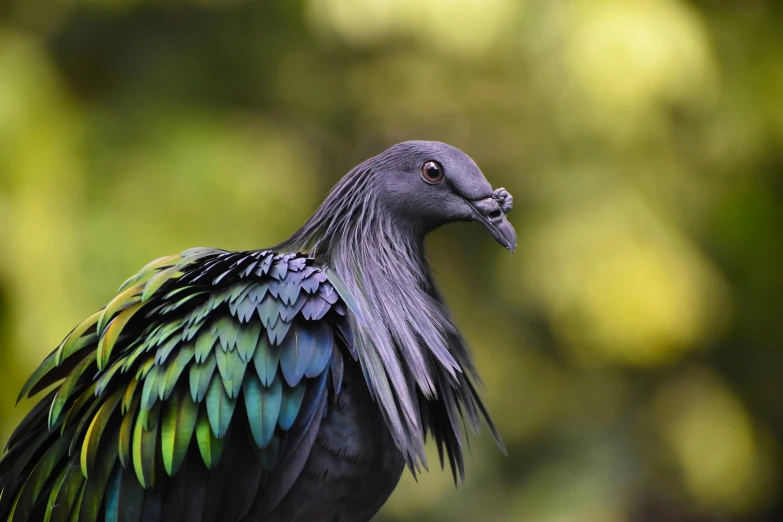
column 431, row 183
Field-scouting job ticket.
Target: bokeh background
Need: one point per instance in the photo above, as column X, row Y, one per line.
column 631, row 348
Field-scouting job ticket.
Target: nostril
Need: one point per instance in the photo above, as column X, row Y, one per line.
column 495, row 214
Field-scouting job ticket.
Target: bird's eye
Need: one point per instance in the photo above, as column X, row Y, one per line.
column 432, row 172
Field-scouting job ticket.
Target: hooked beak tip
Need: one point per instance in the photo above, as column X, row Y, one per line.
column 489, row 212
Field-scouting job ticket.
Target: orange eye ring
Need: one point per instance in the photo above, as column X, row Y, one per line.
column 432, row 172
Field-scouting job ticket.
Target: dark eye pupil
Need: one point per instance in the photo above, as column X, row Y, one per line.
column 432, row 171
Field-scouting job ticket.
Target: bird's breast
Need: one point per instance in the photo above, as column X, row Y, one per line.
column 353, row 466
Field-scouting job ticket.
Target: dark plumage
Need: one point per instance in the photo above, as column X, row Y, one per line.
column 289, row 384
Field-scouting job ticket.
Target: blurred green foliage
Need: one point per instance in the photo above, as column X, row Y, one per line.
column 631, row 349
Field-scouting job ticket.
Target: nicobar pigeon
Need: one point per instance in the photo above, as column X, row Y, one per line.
column 288, row 384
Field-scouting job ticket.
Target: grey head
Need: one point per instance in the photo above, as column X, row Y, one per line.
column 429, row 184
column 405, row 192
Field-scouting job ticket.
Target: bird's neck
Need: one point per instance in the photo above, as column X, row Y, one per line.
column 404, row 336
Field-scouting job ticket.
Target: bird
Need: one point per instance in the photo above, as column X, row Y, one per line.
column 294, row 383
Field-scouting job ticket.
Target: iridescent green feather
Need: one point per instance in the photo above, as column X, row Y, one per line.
column 94, row 489
column 112, row 332
column 177, row 426
column 174, row 369
column 220, row 407
column 126, row 432
column 84, row 418
column 149, row 393
column 204, row 343
column 46, row 366
column 67, row 389
column 95, row 430
column 67, row 346
column 51, row 505
column 209, row 445
column 78, row 408
column 124, row 299
column 77, row 503
column 70, row 490
column 149, row 269
column 227, row 330
column 145, row 434
column 158, row 280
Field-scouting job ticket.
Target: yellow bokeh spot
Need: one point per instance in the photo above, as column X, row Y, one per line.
column 462, row 27
column 619, row 283
column 712, row 440
column 632, row 53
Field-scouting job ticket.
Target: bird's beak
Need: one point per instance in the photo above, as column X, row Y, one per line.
column 491, row 212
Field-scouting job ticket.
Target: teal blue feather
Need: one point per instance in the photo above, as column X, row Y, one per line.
column 295, row 353
column 204, row 344
column 247, row 340
column 135, row 350
column 289, row 293
column 227, row 330
column 190, row 330
column 231, row 369
column 278, row 332
column 168, row 378
column 263, row 267
column 162, row 335
column 124, row 497
column 290, row 403
column 236, row 291
column 220, row 408
column 265, row 360
column 245, row 310
column 164, row 351
column 200, row 377
column 245, row 288
column 149, row 392
column 269, row 311
column 258, row 292
column 278, row 270
column 323, row 342
column 263, row 408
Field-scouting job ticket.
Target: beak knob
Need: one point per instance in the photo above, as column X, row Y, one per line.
column 491, row 212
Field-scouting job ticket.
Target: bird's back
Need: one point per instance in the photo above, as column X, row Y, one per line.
column 217, row 386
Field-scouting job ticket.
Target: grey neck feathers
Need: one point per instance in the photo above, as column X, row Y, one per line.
column 408, row 346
